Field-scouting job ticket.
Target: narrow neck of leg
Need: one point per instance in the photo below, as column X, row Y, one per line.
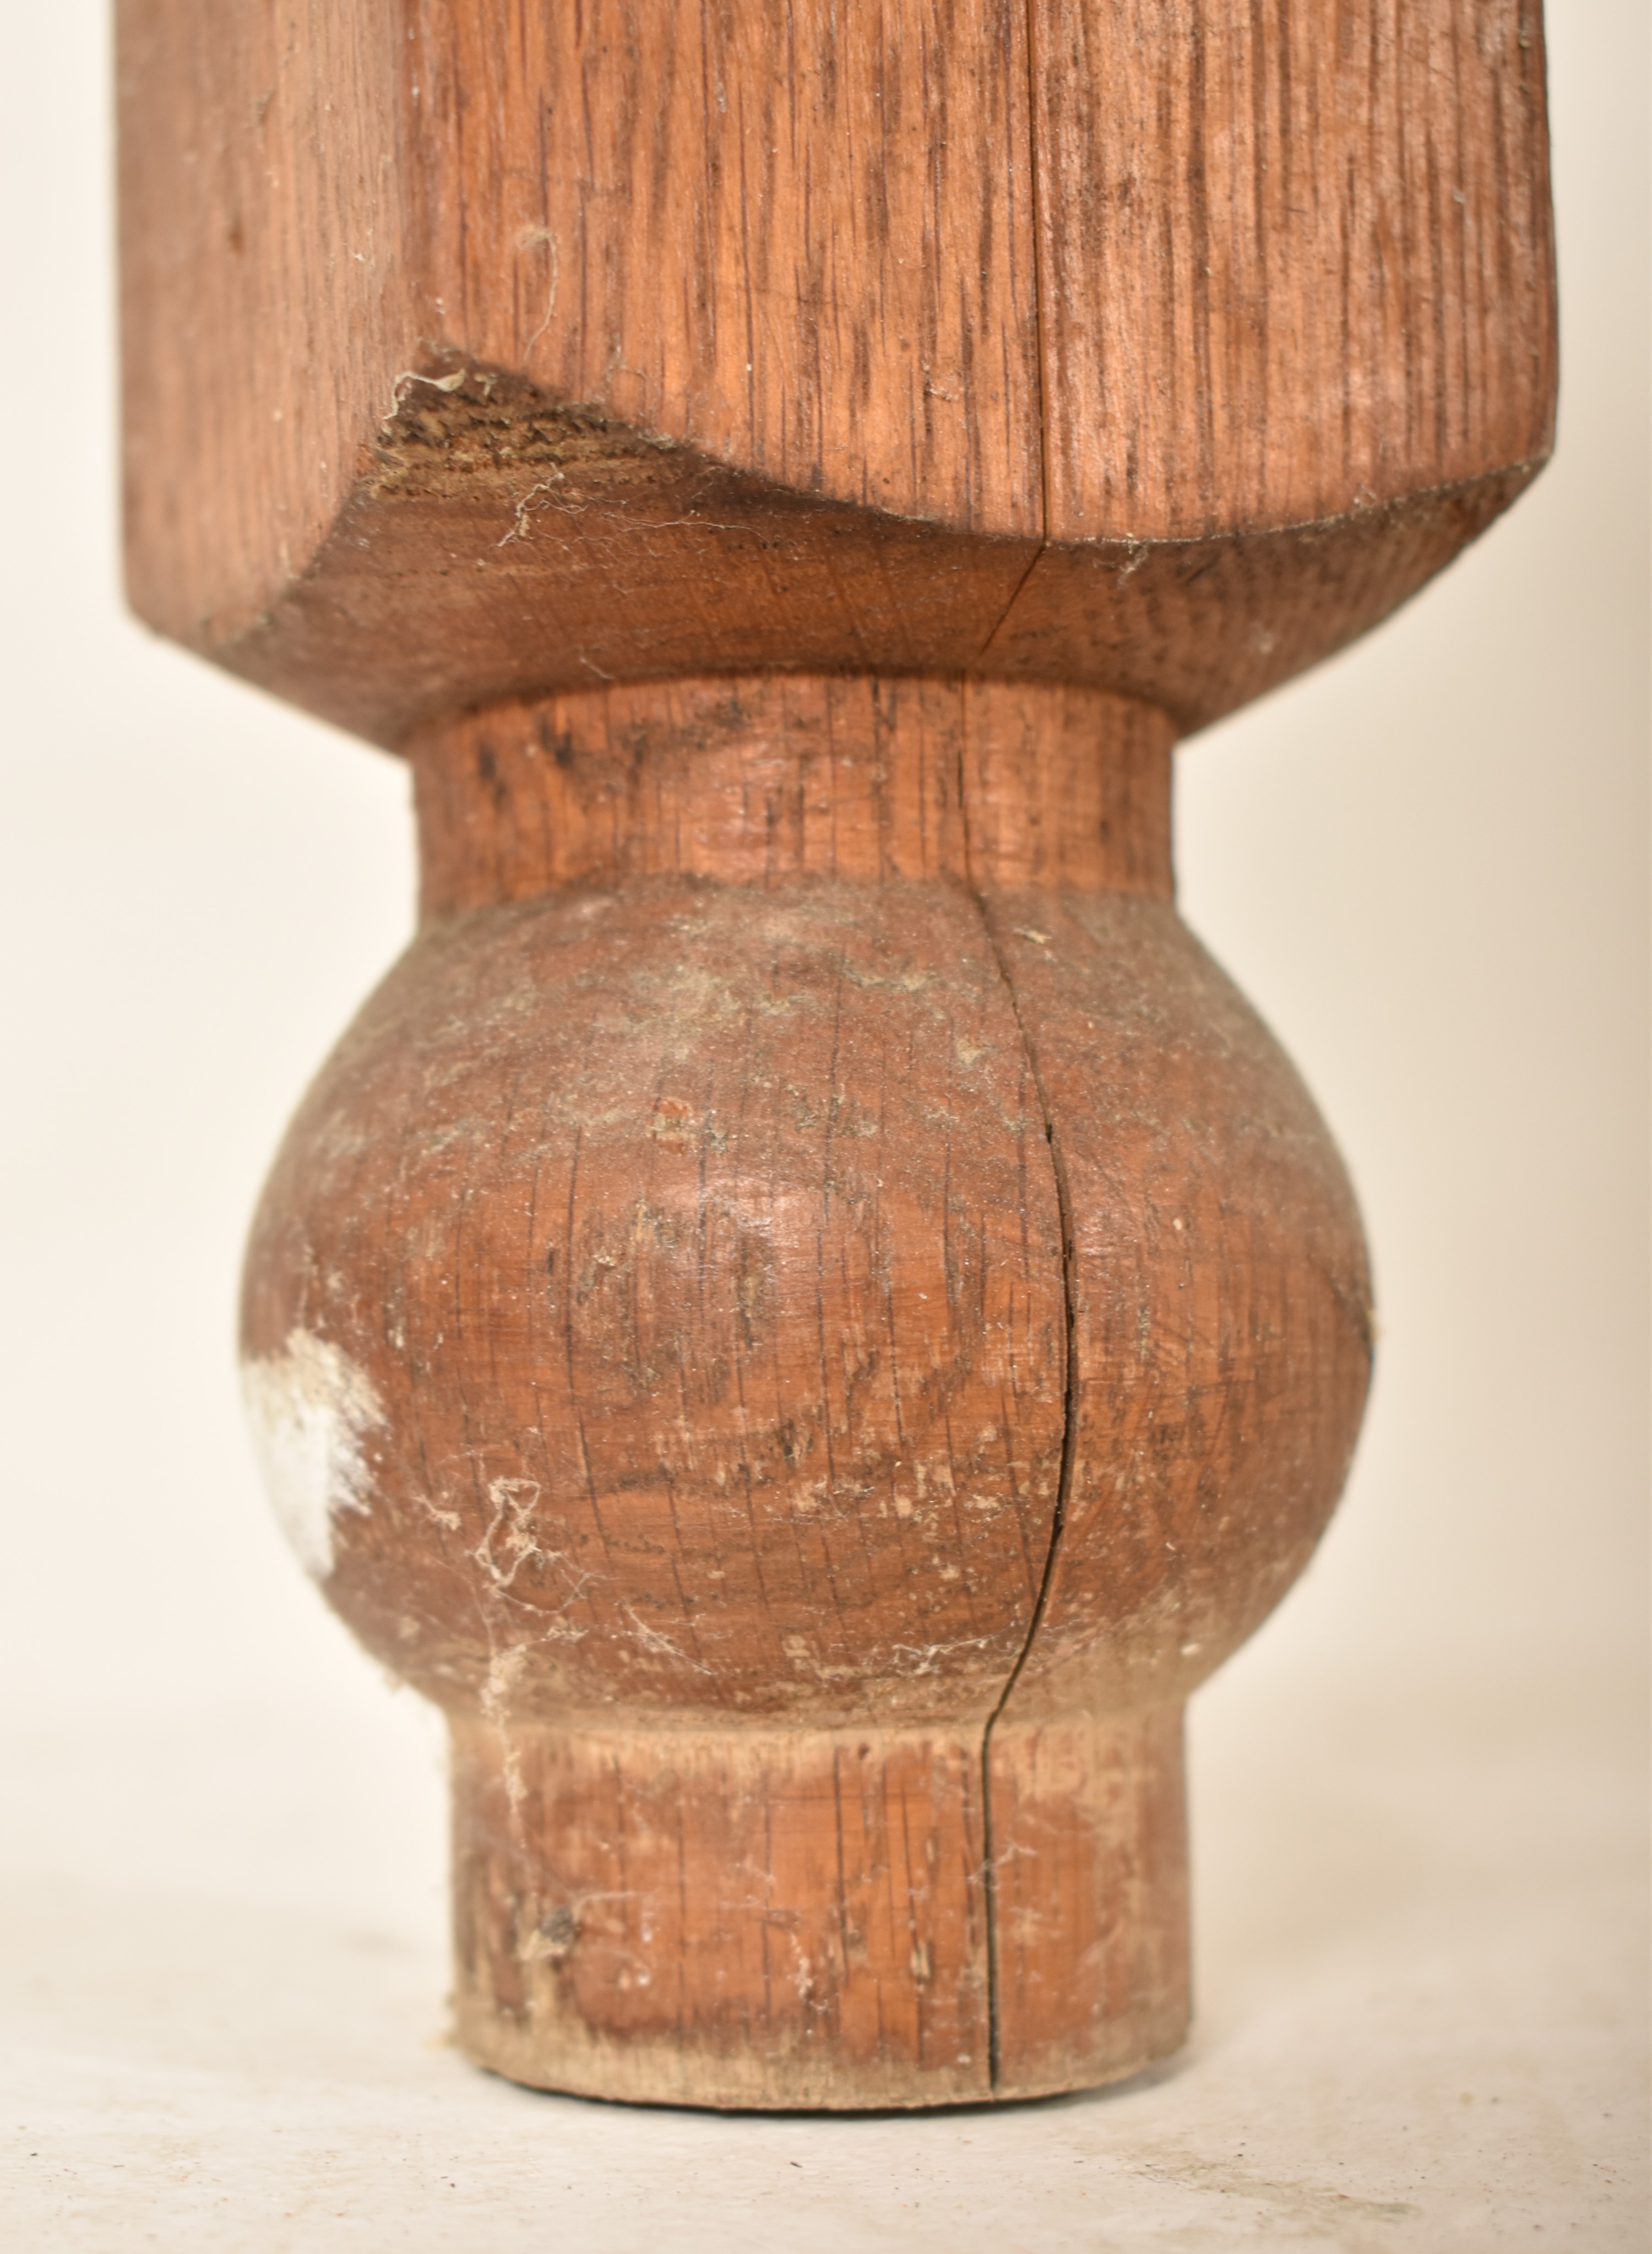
column 760, row 780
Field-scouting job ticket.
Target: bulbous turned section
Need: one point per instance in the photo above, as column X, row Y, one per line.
column 808, row 1315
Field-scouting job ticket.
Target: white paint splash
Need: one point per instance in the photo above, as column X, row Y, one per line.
column 309, row 1409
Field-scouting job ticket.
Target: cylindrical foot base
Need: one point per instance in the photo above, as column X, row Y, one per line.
column 791, row 1919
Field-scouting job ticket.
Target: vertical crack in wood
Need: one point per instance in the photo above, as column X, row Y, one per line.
column 1069, row 1420
column 1069, row 1425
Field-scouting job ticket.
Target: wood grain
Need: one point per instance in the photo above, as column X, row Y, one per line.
column 743, row 1197
column 806, row 1313
column 1219, row 1295
column 769, row 1332
column 267, row 301
column 1161, row 350
column 749, row 1918
column 798, row 239
column 1090, row 1970
column 1293, row 261
column 758, row 781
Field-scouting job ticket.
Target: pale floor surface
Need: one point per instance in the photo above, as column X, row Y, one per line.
column 1421, row 2021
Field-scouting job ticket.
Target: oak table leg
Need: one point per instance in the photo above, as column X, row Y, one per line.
column 806, row 1314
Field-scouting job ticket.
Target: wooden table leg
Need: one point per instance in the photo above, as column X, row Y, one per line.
column 806, row 1314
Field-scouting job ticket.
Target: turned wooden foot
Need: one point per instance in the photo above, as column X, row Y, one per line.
column 809, row 1314
column 805, row 1313
column 839, row 1918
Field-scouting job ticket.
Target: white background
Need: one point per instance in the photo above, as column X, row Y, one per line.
column 1418, row 1799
